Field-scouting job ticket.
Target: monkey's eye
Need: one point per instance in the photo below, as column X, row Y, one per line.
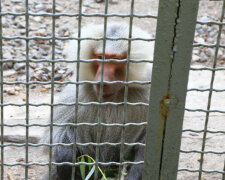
column 99, row 57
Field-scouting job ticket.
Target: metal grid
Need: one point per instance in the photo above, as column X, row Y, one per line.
column 198, row 172
column 124, row 124
column 53, row 60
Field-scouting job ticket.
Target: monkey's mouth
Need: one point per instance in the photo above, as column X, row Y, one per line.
column 108, row 91
column 107, row 95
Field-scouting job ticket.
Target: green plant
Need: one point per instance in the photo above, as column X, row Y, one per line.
column 86, row 173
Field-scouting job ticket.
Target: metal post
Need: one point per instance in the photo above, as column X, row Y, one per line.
column 174, row 38
column 27, row 88
column 1, row 100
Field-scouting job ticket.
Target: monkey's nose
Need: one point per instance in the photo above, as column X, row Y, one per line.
column 109, row 72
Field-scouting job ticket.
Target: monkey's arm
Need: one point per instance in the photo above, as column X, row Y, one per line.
column 63, row 154
column 135, row 172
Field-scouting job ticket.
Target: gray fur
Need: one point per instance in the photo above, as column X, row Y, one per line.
column 110, row 114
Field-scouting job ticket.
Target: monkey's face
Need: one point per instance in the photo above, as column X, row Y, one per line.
column 113, row 71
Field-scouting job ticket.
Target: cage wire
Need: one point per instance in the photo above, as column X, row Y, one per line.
column 53, row 60
column 202, row 152
column 184, row 170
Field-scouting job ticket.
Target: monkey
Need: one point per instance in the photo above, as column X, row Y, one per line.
column 90, row 92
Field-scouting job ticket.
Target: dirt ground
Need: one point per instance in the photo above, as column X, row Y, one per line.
column 192, row 120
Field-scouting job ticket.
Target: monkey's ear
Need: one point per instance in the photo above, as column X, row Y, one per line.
column 140, row 72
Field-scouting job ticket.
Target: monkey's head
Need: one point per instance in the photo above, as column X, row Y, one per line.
column 114, row 50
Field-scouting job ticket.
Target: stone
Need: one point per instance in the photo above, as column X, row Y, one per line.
column 203, row 57
column 58, row 77
column 199, row 40
column 19, row 66
column 210, row 52
column 37, row 18
column 69, row 71
column 195, row 58
column 9, row 72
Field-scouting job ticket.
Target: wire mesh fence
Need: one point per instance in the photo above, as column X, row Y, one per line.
column 204, row 119
column 35, row 46
column 48, row 37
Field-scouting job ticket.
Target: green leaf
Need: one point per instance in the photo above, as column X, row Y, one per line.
column 89, row 161
column 82, row 168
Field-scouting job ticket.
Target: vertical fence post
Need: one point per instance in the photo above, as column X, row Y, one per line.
column 172, row 56
column 1, row 101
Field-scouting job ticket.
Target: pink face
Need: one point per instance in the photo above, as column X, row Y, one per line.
column 112, row 72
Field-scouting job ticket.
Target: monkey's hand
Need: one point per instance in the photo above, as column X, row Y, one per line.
column 135, row 172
